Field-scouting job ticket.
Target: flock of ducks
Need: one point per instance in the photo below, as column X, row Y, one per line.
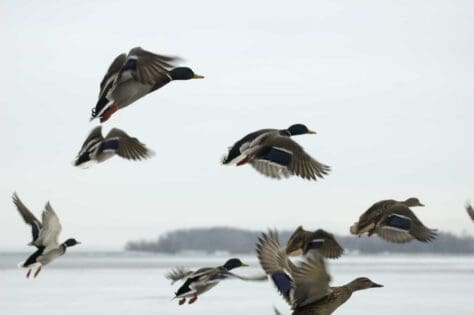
column 303, row 284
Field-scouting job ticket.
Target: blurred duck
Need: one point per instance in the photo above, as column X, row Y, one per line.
column 272, row 153
column 202, row 280
column 376, row 211
column 304, row 287
column 470, row 210
column 394, row 222
column 97, row 149
column 134, row 75
column 301, row 242
column 45, row 237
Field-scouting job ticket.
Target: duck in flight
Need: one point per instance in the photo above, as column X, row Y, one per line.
column 274, row 154
column 45, row 237
column 96, row 148
column 134, row 75
column 202, row 280
column 305, row 287
column 301, row 242
column 394, row 221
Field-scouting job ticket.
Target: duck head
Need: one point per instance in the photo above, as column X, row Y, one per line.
column 184, row 73
column 299, row 129
column 413, row 202
column 362, row 283
column 71, row 242
column 234, row 263
column 297, row 241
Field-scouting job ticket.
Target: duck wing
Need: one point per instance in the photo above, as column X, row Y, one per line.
column 270, row 169
column 147, row 67
column 400, row 225
column 287, row 153
column 276, row 264
column 28, row 217
column 95, row 136
column 178, row 273
column 262, row 277
column 125, row 146
column 326, row 244
column 311, row 281
column 49, row 234
column 113, row 70
column 470, row 211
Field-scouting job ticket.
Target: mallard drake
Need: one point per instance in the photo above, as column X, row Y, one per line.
column 470, row 211
column 396, row 224
column 202, row 280
column 305, row 287
column 376, row 211
column 134, row 75
column 272, row 153
column 302, row 241
column 45, row 237
column 97, row 149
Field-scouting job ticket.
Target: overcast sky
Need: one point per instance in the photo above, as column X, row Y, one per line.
column 388, row 86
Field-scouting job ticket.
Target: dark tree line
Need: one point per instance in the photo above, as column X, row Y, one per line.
column 240, row 241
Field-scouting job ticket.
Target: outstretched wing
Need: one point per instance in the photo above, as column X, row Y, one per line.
column 287, row 153
column 114, row 68
column 400, row 225
column 28, row 217
column 270, row 169
column 326, row 244
column 276, row 264
column 49, row 234
column 125, row 146
column 178, row 273
column 149, row 68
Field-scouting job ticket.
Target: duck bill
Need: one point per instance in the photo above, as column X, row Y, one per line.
column 421, row 205
column 312, row 132
column 376, row 285
column 198, row 76
column 245, row 265
column 77, row 242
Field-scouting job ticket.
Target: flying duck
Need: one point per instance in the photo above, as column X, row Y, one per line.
column 302, row 242
column 470, row 211
column 202, row 280
column 304, row 287
column 272, row 153
column 376, row 211
column 45, row 237
column 134, row 75
column 97, row 149
column 396, row 224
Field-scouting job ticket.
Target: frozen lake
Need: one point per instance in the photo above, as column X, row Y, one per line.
column 124, row 283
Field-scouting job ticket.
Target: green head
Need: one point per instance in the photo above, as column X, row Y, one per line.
column 184, row 73
column 299, row 129
column 234, row 263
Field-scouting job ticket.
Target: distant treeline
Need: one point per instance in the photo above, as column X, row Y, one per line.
column 240, row 241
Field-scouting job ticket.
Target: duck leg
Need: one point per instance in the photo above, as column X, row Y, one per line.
column 28, row 273
column 182, row 301
column 37, row 271
column 193, row 299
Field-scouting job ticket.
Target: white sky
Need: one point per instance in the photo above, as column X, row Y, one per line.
column 388, row 85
